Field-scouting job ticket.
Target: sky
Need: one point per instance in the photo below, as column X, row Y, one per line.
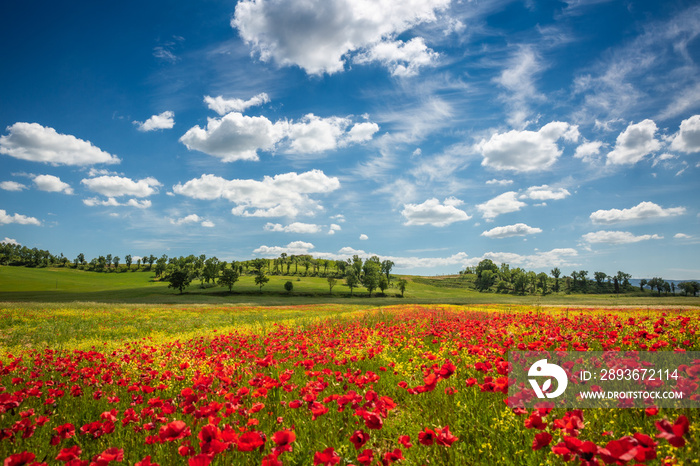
column 433, row 133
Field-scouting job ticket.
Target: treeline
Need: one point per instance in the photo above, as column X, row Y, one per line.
column 502, row 279
column 372, row 274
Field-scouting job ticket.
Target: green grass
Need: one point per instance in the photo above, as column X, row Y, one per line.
column 64, row 285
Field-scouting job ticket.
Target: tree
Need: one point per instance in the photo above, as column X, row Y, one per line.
column 351, row 279
column 582, row 274
column 642, row 283
column 229, row 277
column 371, row 276
column 402, row 285
column 519, row 280
column 657, row 283
column 383, row 283
column 486, row 274
column 81, row 258
column 542, row 281
column 115, row 261
column 387, row 265
column 179, row 279
column 128, row 260
column 261, row 278
column 600, row 279
column 556, row 273
column 289, row 286
column 331, row 283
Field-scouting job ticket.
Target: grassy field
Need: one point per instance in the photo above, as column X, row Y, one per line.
column 63, row 285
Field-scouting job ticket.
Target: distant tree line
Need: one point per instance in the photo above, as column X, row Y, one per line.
column 502, row 279
column 372, row 274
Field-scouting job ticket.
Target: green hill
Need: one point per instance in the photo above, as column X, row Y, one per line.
column 23, row 284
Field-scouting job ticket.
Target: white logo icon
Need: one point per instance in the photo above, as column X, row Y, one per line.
column 542, row 369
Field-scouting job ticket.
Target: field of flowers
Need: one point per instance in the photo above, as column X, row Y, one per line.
column 417, row 385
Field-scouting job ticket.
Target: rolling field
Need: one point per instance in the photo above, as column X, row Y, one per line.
column 321, row 384
column 65, row 285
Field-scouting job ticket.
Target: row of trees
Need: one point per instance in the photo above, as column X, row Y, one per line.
column 503, row 279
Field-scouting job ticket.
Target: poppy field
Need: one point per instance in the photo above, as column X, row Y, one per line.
column 322, row 385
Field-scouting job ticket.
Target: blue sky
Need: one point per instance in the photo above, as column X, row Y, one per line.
column 434, row 133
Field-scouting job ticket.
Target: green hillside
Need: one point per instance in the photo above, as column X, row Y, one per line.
column 23, row 284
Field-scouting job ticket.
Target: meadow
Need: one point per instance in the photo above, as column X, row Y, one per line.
column 324, row 384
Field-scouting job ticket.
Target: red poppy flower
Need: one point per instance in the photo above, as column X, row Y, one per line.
column 327, row 457
column 445, row 437
column 426, row 437
column 673, row 433
column 174, row 431
column 20, row 459
column 366, row 457
column 67, row 454
column 283, row 439
column 405, row 440
column 373, row 421
column 146, row 462
column 392, row 456
column 359, row 438
column 249, row 441
column 542, row 439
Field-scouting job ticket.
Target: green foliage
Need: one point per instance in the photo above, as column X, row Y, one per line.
column 179, row 279
column 229, row 277
column 371, row 275
column 261, row 279
column 289, row 286
column 401, row 284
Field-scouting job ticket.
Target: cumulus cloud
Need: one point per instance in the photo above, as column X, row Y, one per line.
column 364, row 237
column 616, row 237
column 286, row 194
column 295, row 227
column 52, row 184
column 192, row 218
column 642, row 211
column 318, row 35
column 235, row 137
column 545, row 193
column 117, row 186
column 165, row 120
column 433, row 212
column 6, row 219
column 500, row 182
column 12, row 186
column 295, row 248
column 634, row 143
column 688, row 138
column 112, row 202
column 223, row 106
column 589, row 151
column 526, row 151
column 682, row 236
column 333, row 228
column 519, row 229
column 501, row 204
column 401, row 58
column 36, row 143
column 239, row 137
column 10, row 241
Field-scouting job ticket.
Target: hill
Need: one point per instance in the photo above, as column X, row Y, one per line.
column 23, row 284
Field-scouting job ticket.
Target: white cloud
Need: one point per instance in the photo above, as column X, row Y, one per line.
column 333, row 228
column 238, row 137
column 165, row 120
column 432, row 212
column 12, row 186
column 642, row 211
column 589, row 151
column 519, row 79
column 501, row 204
column 682, row 236
column 634, row 143
column 500, row 182
column 52, row 184
column 282, row 195
column 6, row 219
column 36, row 143
column 318, row 35
column 112, row 202
column 526, row 151
column 545, row 193
column 116, row 186
column 192, row 218
column 10, row 241
column 519, row 229
column 364, row 237
column 688, row 138
column 223, row 106
column 295, row 227
column 616, row 237
column 401, row 58
column 294, row 248
column 235, row 137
